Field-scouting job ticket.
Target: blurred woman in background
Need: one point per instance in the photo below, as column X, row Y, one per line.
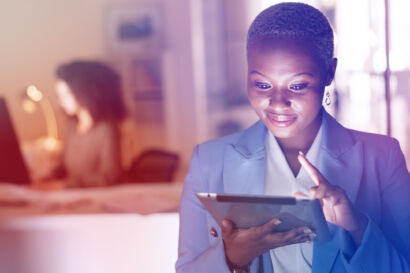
column 90, row 93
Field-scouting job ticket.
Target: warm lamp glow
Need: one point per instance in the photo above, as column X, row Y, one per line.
column 51, row 144
column 29, row 106
column 34, row 94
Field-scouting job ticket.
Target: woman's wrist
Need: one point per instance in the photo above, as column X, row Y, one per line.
column 237, row 268
column 357, row 234
column 233, row 267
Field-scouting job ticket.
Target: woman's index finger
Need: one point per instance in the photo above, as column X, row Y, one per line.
column 312, row 170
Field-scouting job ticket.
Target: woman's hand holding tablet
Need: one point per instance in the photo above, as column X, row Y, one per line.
column 253, row 224
column 243, row 245
column 337, row 208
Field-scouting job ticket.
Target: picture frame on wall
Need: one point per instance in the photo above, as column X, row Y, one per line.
column 134, row 29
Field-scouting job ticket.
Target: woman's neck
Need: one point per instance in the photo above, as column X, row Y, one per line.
column 85, row 121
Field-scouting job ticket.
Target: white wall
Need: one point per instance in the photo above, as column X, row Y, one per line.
column 186, row 113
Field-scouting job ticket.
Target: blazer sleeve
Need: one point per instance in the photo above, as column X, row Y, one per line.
column 384, row 248
column 198, row 252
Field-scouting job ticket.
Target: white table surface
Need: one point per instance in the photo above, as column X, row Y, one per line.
column 103, row 243
column 75, row 231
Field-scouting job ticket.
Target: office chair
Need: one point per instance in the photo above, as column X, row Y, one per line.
column 153, row 165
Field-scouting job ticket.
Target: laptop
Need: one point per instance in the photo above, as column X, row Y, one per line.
column 12, row 166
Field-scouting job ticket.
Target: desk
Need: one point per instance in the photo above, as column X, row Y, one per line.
column 135, row 198
column 70, row 231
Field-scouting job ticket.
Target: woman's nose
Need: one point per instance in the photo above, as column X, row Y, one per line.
column 279, row 99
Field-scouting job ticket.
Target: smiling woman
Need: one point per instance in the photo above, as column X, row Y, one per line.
column 297, row 149
column 285, row 87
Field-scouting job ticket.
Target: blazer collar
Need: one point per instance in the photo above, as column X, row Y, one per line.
column 336, row 139
column 244, row 162
column 251, row 144
column 342, row 158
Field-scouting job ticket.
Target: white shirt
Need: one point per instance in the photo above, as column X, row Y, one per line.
column 280, row 181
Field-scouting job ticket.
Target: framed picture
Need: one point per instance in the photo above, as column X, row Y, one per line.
column 134, row 29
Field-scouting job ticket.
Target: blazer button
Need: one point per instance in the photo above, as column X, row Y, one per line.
column 213, row 232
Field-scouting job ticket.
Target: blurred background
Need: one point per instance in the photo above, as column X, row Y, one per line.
column 183, row 70
column 184, row 79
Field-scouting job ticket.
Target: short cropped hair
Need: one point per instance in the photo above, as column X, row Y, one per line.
column 295, row 21
column 95, row 86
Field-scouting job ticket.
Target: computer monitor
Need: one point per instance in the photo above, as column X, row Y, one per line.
column 12, row 166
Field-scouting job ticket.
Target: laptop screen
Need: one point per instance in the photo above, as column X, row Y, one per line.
column 12, row 166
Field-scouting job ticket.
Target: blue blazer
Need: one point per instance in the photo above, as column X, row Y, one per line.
column 370, row 168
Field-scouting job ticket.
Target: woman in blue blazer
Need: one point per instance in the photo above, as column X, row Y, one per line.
column 360, row 178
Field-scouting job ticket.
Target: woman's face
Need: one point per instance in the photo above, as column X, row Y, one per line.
column 285, row 87
column 66, row 98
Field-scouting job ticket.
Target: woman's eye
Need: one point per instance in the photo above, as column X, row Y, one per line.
column 298, row 87
column 263, row 86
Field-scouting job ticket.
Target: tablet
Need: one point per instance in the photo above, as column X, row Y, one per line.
column 254, row 210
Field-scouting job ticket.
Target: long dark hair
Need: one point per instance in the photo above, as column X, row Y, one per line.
column 96, row 86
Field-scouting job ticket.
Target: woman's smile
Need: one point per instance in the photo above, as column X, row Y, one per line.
column 280, row 120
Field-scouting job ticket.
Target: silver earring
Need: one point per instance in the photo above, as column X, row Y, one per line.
column 328, row 101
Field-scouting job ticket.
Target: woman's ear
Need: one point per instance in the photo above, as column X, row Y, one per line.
column 331, row 72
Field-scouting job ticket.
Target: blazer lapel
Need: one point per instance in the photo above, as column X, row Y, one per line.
column 244, row 173
column 342, row 164
column 342, row 158
column 244, row 163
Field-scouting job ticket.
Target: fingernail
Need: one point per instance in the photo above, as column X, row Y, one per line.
column 225, row 223
column 328, row 203
column 277, row 222
column 307, row 230
column 301, row 153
